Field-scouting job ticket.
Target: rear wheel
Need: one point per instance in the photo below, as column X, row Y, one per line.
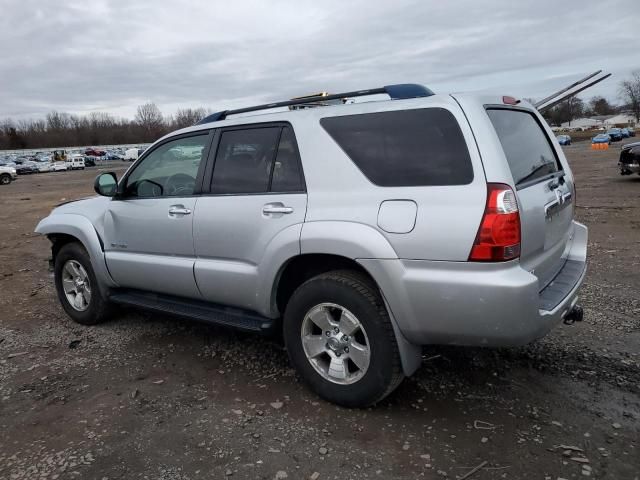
column 5, row 179
column 77, row 287
column 340, row 339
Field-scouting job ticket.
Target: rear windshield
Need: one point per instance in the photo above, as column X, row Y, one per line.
column 405, row 148
column 525, row 144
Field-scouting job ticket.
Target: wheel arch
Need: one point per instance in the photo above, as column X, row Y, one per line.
column 301, row 268
column 65, row 228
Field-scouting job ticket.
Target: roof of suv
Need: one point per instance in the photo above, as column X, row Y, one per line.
column 401, row 96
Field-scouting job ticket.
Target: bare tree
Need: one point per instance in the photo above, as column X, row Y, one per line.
column 150, row 120
column 186, row 117
column 57, row 121
column 630, row 93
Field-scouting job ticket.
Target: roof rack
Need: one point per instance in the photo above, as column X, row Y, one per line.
column 396, row 92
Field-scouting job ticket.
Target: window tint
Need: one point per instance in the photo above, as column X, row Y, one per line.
column 404, row 148
column 525, row 144
column 169, row 170
column 244, row 159
column 286, row 171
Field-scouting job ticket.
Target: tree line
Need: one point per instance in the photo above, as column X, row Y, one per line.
column 99, row 128
column 59, row 129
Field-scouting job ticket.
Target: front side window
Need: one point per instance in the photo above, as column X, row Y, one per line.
column 168, row 171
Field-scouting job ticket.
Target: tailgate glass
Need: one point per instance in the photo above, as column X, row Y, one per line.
column 525, row 145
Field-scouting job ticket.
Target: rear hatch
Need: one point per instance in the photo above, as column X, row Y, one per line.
column 544, row 188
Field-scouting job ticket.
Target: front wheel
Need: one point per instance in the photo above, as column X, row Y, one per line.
column 340, row 339
column 77, row 287
column 5, row 179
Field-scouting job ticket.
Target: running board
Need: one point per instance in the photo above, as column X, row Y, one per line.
column 194, row 309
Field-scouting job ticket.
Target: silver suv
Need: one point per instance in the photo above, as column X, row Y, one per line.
column 359, row 232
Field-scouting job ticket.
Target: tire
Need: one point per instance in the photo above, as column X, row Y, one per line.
column 343, row 295
column 92, row 308
column 5, row 179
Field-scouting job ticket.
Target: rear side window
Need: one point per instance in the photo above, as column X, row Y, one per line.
column 423, row 147
column 257, row 160
column 243, row 160
column 525, row 144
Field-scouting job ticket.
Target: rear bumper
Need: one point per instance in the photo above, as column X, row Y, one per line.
column 627, row 168
column 464, row 303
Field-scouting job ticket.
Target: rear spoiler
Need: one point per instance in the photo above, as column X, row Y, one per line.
column 570, row 91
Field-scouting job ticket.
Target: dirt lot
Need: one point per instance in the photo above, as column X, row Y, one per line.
column 150, row 397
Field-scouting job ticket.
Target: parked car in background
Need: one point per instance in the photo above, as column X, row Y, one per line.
column 564, row 139
column 44, row 167
column 75, row 162
column 59, row 167
column 319, row 225
column 7, row 174
column 601, row 138
column 94, row 152
column 89, row 161
column 632, row 132
column 625, row 132
column 615, row 134
column 113, row 155
column 27, row 167
column 629, row 161
column 132, row 154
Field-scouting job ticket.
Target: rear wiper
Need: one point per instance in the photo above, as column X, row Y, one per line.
column 534, row 171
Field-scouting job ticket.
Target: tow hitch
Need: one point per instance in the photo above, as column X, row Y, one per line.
column 574, row 315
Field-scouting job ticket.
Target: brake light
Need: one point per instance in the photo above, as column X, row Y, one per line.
column 508, row 100
column 498, row 237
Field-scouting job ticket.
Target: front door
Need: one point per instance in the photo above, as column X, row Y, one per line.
column 149, row 225
column 250, row 219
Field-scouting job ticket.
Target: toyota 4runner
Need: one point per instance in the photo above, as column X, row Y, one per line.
column 359, row 231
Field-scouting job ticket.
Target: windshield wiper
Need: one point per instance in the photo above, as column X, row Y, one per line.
column 534, row 172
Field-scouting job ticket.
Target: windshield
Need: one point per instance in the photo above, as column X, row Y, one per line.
column 525, row 144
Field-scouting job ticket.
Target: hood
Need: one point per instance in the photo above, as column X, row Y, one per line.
column 631, row 145
column 87, row 207
column 93, row 209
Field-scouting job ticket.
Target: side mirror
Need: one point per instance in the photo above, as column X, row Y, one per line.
column 106, row 184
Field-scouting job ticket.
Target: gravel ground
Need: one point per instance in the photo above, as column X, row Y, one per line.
column 145, row 396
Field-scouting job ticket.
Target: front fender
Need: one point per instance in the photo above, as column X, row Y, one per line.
column 81, row 228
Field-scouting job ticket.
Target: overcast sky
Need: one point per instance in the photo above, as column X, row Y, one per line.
column 80, row 56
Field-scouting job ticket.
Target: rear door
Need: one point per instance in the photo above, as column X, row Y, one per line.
column 251, row 214
column 544, row 189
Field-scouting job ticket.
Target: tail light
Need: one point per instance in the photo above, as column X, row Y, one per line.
column 498, row 237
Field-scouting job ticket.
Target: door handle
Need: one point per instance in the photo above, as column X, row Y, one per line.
column 271, row 208
column 179, row 210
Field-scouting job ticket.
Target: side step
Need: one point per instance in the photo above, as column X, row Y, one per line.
column 194, row 309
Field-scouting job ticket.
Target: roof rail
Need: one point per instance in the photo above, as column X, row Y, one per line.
column 396, row 92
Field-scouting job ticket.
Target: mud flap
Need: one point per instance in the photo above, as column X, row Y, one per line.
column 410, row 354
